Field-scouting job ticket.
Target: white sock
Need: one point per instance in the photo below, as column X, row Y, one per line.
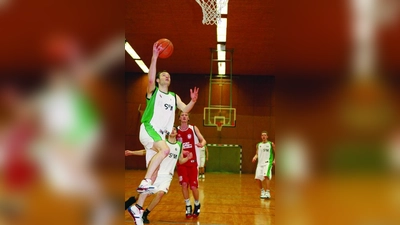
column 187, row 201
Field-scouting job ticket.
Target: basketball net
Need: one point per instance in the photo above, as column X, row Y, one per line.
column 219, row 126
column 212, row 10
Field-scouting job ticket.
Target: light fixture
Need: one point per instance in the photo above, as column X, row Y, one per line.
column 136, row 57
column 131, row 51
column 221, row 30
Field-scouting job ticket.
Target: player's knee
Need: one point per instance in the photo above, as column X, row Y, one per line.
column 184, row 185
column 160, row 194
column 165, row 152
column 193, row 188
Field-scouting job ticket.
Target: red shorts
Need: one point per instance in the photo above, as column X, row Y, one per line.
column 189, row 175
column 19, row 174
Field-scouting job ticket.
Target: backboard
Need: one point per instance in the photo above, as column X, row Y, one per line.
column 219, row 116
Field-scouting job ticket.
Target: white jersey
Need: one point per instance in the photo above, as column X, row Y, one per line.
column 202, row 152
column 265, row 154
column 167, row 166
column 160, row 111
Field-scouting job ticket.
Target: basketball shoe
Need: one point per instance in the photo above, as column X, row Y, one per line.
column 263, row 194
column 189, row 212
column 267, row 194
column 196, row 211
column 136, row 212
column 146, row 187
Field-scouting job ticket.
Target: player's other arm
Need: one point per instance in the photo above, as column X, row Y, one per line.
column 183, row 159
column 136, row 152
column 193, row 95
column 202, row 141
column 256, row 155
column 273, row 152
column 205, row 146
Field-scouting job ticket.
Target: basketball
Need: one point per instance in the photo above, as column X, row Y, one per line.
column 168, row 48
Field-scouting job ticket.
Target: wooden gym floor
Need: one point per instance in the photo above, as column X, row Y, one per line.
column 226, row 199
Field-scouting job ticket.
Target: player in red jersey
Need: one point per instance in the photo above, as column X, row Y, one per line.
column 191, row 139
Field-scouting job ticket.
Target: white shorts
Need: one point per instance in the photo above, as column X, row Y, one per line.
column 148, row 142
column 202, row 161
column 162, row 182
column 264, row 171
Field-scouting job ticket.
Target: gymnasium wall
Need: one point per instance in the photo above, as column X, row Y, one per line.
column 252, row 96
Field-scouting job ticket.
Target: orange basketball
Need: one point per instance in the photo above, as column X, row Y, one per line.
column 168, row 48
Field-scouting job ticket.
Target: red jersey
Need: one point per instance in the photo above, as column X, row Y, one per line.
column 19, row 169
column 189, row 140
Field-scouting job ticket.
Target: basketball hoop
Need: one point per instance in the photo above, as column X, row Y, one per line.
column 212, row 10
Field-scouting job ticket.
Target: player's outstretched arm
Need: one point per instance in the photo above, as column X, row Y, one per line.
column 194, row 93
column 157, row 48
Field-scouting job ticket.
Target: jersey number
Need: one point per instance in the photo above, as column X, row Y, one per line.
column 172, row 155
column 168, row 106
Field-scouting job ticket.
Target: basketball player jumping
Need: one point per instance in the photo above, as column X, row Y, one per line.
column 158, row 119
